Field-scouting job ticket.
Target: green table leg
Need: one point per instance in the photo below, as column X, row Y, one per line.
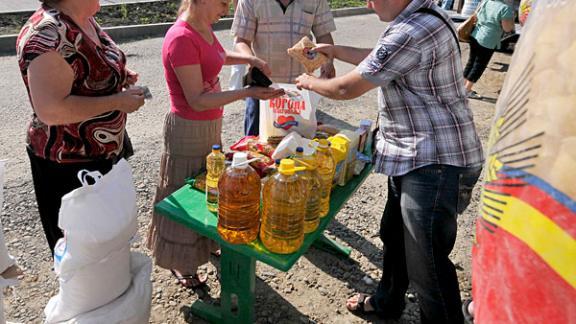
column 327, row 244
column 237, row 278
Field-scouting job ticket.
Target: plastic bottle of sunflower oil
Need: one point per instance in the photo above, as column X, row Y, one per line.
column 312, row 179
column 239, row 202
column 325, row 168
column 283, row 210
column 215, row 166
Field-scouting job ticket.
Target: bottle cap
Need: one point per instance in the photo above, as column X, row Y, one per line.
column 277, row 161
column 287, row 167
column 240, row 160
column 216, row 147
column 323, row 143
column 299, row 149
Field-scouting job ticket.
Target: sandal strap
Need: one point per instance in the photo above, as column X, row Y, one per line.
column 361, row 302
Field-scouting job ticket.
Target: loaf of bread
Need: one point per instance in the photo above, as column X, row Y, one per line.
column 311, row 60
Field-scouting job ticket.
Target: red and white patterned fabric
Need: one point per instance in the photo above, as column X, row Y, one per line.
column 99, row 70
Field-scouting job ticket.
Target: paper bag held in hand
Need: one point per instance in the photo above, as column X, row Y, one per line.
column 311, row 60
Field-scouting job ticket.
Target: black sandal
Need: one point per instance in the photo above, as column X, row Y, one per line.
column 360, row 309
column 468, row 318
column 360, row 303
column 189, row 281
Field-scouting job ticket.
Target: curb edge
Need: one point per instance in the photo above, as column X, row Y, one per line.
column 127, row 33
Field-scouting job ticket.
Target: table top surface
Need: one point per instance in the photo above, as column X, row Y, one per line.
column 188, row 207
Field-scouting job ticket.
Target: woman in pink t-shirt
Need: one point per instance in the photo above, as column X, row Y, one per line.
column 192, row 59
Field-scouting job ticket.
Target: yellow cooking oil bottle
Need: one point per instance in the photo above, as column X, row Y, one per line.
column 339, row 149
column 239, row 202
column 215, row 165
column 282, row 229
column 312, row 193
column 325, row 168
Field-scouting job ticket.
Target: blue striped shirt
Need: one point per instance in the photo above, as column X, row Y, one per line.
column 424, row 117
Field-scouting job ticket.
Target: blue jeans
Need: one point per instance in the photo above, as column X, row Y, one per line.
column 252, row 117
column 418, row 229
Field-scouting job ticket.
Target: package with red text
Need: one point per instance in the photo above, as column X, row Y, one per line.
column 291, row 112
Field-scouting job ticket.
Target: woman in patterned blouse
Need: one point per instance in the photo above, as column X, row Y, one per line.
column 75, row 76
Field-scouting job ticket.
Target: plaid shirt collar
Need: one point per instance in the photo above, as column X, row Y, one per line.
column 410, row 9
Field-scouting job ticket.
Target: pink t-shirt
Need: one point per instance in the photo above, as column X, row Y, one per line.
column 185, row 46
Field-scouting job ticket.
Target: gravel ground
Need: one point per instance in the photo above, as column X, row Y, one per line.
column 314, row 290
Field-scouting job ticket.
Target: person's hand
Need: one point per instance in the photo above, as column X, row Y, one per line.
column 326, row 49
column 327, row 70
column 264, row 93
column 261, row 65
column 130, row 100
column 131, row 77
column 304, row 81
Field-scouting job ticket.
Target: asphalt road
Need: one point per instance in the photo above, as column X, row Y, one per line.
column 145, row 126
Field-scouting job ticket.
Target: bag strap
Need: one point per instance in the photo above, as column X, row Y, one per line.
column 83, row 176
column 439, row 16
column 480, row 7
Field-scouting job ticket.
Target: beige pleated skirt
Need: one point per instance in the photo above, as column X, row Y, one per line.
column 186, row 145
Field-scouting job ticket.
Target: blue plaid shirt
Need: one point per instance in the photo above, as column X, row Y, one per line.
column 424, row 117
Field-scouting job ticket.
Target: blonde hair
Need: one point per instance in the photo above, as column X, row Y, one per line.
column 184, row 6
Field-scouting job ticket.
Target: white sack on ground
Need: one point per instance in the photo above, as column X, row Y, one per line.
column 132, row 307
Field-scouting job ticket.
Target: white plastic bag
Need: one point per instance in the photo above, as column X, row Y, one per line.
column 237, row 73
column 103, row 211
column 90, row 287
column 293, row 112
column 97, row 219
column 132, row 307
column 92, row 260
column 290, row 143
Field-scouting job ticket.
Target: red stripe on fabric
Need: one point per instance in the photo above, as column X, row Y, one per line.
column 512, row 284
column 540, row 200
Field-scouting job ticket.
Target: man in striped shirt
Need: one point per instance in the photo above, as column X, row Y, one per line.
column 428, row 146
column 267, row 28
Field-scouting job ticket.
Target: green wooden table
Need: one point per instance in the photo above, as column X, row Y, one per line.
column 238, row 262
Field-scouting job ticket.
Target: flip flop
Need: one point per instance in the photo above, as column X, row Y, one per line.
column 468, row 318
column 360, row 306
column 361, row 311
column 190, row 281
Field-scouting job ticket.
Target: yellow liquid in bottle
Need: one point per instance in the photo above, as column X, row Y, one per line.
column 326, row 168
column 215, row 167
column 239, row 205
column 282, row 229
column 312, row 193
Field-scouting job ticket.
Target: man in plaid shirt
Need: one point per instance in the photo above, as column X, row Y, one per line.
column 427, row 145
column 267, row 28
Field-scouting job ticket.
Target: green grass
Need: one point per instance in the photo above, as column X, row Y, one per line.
column 137, row 13
column 335, row 4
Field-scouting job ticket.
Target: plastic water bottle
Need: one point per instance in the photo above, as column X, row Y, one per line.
column 283, row 210
column 215, row 166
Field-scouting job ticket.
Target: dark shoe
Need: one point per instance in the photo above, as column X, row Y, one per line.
column 474, row 95
column 360, row 308
column 468, row 318
column 190, row 281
